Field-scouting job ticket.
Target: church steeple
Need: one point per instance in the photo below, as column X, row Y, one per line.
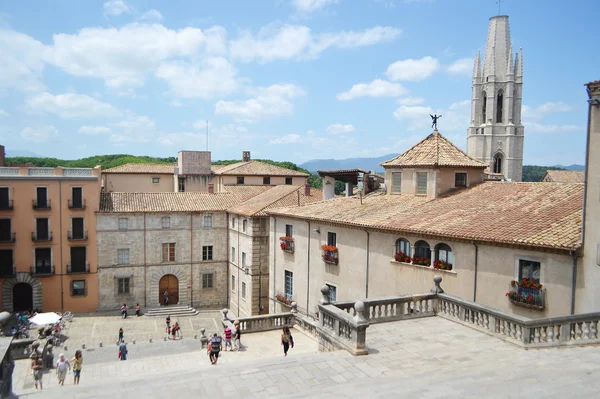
column 495, row 135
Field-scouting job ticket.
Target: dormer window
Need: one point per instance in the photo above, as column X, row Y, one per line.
column 422, row 183
column 396, row 183
column 460, row 179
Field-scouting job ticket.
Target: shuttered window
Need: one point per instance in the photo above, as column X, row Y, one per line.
column 396, row 183
column 422, row 183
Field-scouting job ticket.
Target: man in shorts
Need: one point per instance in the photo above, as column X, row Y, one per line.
column 37, row 365
column 215, row 348
column 227, row 333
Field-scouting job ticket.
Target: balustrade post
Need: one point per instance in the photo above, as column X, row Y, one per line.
column 325, row 293
column 295, row 307
column 361, row 324
column 526, row 335
column 565, row 332
column 492, row 324
column 437, row 289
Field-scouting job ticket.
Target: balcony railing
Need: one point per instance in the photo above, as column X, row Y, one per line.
column 37, row 237
column 78, row 235
column 330, row 257
column 6, row 206
column 287, row 244
column 527, row 293
column 77, row 204
column 7, row 271
column 9, row 237
column 46, row 270
column 41, row 205
column 82, row 268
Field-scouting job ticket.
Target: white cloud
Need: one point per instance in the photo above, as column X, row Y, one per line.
column 551, row 107
column 211, row 77
column 93, row 130
column 411, row 101
column 338, row 128
column 412, row 70
column 454, row 118
column 377, row 88
column 463, row 66
column 70, row 106
column 268, row 102
column 40, row 134
column 134, row 129
column 22, row 61
column 416, row 116
column 308, row 6
column 116, row 7
column 282, row 41
column 287, row 139
column 552, row 128
column 3, row 112
column 152, row 16
column 181, row 139
column 459, row 104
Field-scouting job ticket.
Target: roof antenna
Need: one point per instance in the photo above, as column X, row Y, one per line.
column 206, row 135
column 499, row 2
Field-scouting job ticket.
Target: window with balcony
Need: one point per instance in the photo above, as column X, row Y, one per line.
column 422, row 183
column 77, row 232
column 166, row 222
column 78, row 260
column 444, row 258
column 5, row 202
column 207, row 252
column 289, row 284
column 122, row 223
column 78, row 288
column 287, row 241
column 288, row 180
column 396, row 183
column 240, row 180
column 77, row 201
column 266, row 180
column 43, row 261
column 6, row 234
column 123, row 285
column 6, row 263
column 42, row 230
column 422, row 254
column 41, row 201
column 168, row 252
column 123, row 256
column 527, row 291
column 208, row 220
column 332, row 292
column 402, row 253
column 207, row 281
column 460, row 179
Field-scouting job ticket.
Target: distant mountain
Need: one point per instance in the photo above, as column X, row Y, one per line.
column 571, row 167
column 371, row 164
column 22, row 153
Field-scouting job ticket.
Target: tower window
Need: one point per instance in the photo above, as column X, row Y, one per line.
column 497, row 163
column 484, row 106
column 499, row 104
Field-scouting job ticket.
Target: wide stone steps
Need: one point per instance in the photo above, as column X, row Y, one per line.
column 165, row 311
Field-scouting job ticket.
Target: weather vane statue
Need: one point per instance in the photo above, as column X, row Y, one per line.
column 434, row 119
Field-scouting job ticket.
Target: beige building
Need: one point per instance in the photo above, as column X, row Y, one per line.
column 48, row 254
column 564, row 176
column 436, row 218
column 249, row 245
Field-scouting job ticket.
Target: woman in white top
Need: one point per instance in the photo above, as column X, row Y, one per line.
column 61, row 368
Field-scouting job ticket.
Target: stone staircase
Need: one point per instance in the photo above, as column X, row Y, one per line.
column 174, row 310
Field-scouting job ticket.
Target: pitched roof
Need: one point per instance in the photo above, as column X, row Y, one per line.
column 275, row 197
column 545, row 215
column 564, row 176
column 257, row 168
column 434, row 151
column 149, row 168
column 173, row 202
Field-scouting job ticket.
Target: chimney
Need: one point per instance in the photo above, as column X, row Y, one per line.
column 193, row 162
column 211, row 188
column 307, row 190
column 245, row 156
column 2, row 156
column 328, row 188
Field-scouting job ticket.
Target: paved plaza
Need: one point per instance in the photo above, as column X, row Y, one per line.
column 421, row 358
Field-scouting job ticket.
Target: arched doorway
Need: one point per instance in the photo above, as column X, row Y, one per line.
column 22, row 297
column 169, row 283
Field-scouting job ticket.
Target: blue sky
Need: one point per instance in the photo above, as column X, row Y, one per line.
column 288, row 80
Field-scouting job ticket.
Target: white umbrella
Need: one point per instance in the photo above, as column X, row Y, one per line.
column 45, row 318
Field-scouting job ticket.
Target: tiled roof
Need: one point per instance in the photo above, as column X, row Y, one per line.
column 564, row 176
column 150, row 168
column 546, row 215
column 275, row 197
column 173, row 202
column 257, row 168
column 434, row 151
column 328, row 172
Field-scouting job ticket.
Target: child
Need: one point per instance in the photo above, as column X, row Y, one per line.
column 174, row 331
column 227, row 333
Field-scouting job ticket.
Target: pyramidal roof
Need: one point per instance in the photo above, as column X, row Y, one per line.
column 434, row 151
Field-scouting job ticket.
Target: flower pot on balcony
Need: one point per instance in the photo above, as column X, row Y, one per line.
column 527, row 293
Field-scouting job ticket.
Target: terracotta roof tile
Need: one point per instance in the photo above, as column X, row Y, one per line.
column 277, row 196
column 533, row 214
column 257, row 168
column 150, row 168
column 434, row 151
column 564, row 176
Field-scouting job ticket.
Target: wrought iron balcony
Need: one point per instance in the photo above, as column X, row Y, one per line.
column 37, row 237
column 77, row 204
column 77, row 236
column 7, row 271
column 46, row 270
column 8, row 237
column 79, row 268
column 6, row 206
column 41, row 205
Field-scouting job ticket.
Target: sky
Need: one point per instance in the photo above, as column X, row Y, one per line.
column 287, row 80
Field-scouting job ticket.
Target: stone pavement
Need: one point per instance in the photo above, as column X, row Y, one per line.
column 421, row 358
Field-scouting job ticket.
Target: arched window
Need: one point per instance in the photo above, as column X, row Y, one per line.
column 499, row 105
column 498, row 163
column 422, row 254
column 483, row 106
column 444, row 258
column 402, row 250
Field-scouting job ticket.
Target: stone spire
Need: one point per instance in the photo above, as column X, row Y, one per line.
column 510, row 65
column 519, row 64
column 477, row 67
column 497, row 48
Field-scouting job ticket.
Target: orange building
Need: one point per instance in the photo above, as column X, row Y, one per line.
column 48, row 251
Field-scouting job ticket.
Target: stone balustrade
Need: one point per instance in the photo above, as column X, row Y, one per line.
column 381, row 310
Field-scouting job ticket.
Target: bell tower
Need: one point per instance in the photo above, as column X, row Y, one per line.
column 495, row 134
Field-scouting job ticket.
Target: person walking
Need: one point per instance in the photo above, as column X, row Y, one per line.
column 237, row 337
column 137, row 310
column 166, row 298
column 124, row 311
column 178, row 330
column 61, row 369
column 168, row 323
column 227, row 333
column 123, row 350
column 36, row 366
column 215, row 348
column 286, row 340
column 121, row 335
column 174, row 331
column 77, row 362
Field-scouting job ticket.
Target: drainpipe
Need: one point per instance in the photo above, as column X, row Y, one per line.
column 274, row 260
column 62, row 289
column 585, row 174
column 308, row 272
column 145, row 267
column 475, row 271
column 367, row 276
column 228, row 258
column 238, row 269
column 573, row 280
column 191, row 260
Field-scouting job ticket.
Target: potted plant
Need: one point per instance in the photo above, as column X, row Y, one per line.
column 283, row 299
column 330, row 254
column 422, row 261
column 442, row 265
column 287, row 244
column 401, row 257
column 527, row 292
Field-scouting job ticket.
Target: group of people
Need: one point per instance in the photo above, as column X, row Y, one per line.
column 62, row 365
column 174, row 330
column 124, row 309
